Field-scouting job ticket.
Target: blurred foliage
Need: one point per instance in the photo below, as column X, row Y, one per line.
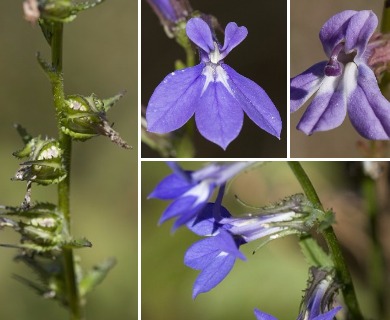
column 100, row 56
column 272, row 279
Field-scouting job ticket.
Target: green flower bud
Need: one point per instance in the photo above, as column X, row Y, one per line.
column 44, row 165
column 85, row 117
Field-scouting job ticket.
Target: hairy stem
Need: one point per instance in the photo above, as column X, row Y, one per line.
column 342, row 270
column 74, row 301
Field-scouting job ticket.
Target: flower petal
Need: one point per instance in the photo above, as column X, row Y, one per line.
column 199, row 32
column 215, row 256
column 334, row 30
column 255, row 102
column 181, row 206
column 204, row 223
column 304, row 85
column 328, row 108
column 174, row 100
column 234, row 35
column 171, row 187
column 260, row 315
column 328, row 315
column 360, row 28
column 219, row 116
column 368, row 109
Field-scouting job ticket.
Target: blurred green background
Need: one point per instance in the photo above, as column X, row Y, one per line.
column 272, row 279
column 261, row 57
column 307, row 18
column 100, row 56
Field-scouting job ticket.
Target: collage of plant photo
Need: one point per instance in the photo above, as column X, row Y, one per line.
column 195, row 159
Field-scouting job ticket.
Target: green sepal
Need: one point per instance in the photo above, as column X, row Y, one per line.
column 313, row 253
column 37, row 210
column 95, row 276
column 76, row 243
column 44, row 165
column 48, row 269
column 62, row 10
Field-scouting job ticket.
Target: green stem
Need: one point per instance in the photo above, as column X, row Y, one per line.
column 74, row 301
column 342, row 270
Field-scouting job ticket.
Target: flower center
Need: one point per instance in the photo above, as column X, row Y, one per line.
column 215, row 56
column 338, row 60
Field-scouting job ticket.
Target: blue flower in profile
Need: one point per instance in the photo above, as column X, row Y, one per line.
column 318, row 300
column 216, row 254
column 214, row 92
column 344, row 83
column 191, row 190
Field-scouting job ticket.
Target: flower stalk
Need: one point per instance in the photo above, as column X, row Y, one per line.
column 75, row 305
column 342, row 271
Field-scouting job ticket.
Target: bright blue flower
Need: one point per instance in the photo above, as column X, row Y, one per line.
column 260, row 315
column 191, row 190
column 318, row 299
column 216, row 254
column 214, row 92
column 344, row 83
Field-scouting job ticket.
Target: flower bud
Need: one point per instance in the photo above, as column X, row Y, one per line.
column 85, row 117
column 44, row 165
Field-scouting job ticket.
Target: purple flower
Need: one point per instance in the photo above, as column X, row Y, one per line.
column 260, row 315
column 212, row 90
column 170, row 12
column 216, row 254
column 318, row 299
column 345, row 82
column 191, row 190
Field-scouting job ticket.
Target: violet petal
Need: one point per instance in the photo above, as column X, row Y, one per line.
column 334, row 30
column 255, row 102
column 234, row 35
column 219, row 116
column 304, row 85
column 199, row 32
column 327, row 110
column 360, row 28
column 174, row 100
column 368, row 109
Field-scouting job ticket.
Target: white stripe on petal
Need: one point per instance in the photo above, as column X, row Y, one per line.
column 350, row 78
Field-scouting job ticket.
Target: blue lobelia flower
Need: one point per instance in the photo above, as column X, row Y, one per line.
column 345, row 82
column 212, row 90
column 318, row 299
column 191, row 190
column 216, row 254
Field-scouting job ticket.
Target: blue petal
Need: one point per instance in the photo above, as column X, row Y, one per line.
column 368, row 109
column 199, row 32
column 204, row 223
column 304, row 85
column 215, row 256
column 234, row 35
column 260, row 315
column 328, row 315
column 360, row 28
column 174, row 100
column 171, row 187
column 334, row 30
column 327, row 110
column 219, row 116
column 255, row 102
column 181, row 206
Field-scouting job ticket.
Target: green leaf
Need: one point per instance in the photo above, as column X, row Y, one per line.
column 95, row 276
